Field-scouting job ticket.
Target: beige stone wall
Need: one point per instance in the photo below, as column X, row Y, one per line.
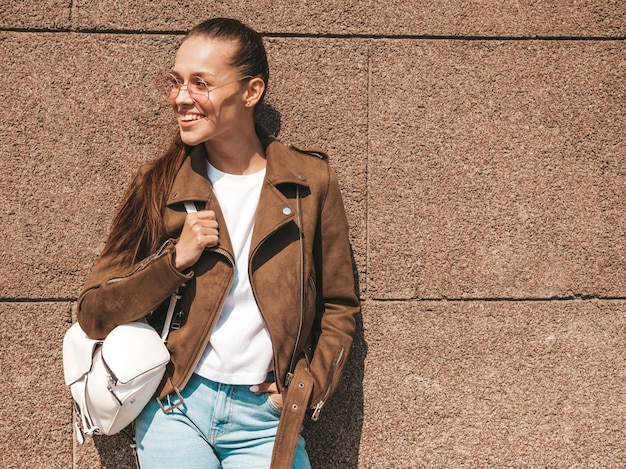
column 482, row 155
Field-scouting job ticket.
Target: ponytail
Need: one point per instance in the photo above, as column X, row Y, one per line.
column 138, row 227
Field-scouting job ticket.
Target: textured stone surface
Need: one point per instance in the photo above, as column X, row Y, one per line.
column 105, row 452
column 47, row 14
column 473, row 168
column 494, row 384
column 508, row 169
column 36, row 415
column 89, row 116
column 373, row 17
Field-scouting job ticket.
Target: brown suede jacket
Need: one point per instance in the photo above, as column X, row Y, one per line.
column 307, row 296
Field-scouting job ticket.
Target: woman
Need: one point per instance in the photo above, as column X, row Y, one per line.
column 268, row 304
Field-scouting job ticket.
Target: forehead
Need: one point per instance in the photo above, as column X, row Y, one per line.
column 200, row 54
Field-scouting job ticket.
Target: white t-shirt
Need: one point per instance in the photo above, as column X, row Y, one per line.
column 240, row 349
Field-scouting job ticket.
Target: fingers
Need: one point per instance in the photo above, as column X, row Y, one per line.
column 204, row 214
column 202, row 228
column 272, row 389
column 199, row 232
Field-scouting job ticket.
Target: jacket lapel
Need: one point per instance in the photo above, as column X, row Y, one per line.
column 275, row 209
column 192, row 184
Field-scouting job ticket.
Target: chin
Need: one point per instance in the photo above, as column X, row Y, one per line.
column 191, row 140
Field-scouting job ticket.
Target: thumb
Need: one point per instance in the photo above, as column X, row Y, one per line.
column 263, row 387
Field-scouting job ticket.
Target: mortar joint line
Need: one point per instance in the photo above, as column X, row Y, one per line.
column 38, row 300
column 367, row 159
column 294, row 35
column 503, row 299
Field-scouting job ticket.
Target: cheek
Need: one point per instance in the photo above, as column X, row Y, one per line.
column 225, row 109
column 207, row 108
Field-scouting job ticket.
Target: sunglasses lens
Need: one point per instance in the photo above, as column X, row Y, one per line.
column 199, row 98
column 198, row 90
column 167, row 86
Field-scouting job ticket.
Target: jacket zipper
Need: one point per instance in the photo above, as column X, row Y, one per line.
column 292, row 362
column 145, row 263
column 290, row 369
column 251, row 256
column 317, row 408
column 313, row 287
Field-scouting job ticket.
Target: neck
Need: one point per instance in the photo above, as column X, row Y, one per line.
column 240, row 154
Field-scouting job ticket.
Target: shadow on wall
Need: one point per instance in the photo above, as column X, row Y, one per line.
column 269, row 118
column 334, row 440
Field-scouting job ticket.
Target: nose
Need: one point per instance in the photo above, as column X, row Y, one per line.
column 183, row 98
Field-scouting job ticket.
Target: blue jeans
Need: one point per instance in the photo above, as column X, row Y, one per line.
column 218, row 426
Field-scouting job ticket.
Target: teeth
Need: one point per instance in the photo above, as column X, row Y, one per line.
column 190, row 117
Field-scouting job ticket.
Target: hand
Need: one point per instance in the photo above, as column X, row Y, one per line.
column 272, row 389
column 200, row 231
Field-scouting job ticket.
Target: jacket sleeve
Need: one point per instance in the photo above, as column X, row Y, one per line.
column 114, row 295
column 340, row 301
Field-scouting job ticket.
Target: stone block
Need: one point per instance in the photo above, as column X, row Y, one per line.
column 48, row 14
column 36, row 417
column 496, row 169
column 87, row 117
column 494, row 384
column 372, row 18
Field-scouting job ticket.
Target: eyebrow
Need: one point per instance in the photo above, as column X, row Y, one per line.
column 198, row 74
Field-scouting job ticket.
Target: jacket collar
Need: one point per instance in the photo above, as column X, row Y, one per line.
column 282, row 164
column 191, row 182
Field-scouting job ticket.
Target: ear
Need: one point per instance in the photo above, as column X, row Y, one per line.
column 254, row 91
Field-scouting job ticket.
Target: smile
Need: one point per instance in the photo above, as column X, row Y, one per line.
column 190, row 117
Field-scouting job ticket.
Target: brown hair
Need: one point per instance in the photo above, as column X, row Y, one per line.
column 138, row 228
column 251, row 58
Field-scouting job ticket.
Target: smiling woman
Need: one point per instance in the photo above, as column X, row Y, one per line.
column 209, row 95
column 233, row 216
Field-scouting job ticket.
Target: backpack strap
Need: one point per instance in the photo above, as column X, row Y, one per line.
column 177, row 295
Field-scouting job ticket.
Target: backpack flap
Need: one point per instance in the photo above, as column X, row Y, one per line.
column 133, row 349
column 78, row 350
